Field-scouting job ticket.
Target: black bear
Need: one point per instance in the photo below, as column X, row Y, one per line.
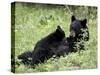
column 78, row 33
column 44, row 48
column 79, row 29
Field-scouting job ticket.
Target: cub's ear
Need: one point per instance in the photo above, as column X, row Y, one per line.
column 58, row 28
column 73, row 18
column 83, row 22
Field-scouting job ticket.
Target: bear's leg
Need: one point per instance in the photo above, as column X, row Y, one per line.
column 25, row 57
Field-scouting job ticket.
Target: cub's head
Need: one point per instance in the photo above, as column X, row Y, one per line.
column 59, row 32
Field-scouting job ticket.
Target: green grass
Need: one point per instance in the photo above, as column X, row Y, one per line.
column 33, row 22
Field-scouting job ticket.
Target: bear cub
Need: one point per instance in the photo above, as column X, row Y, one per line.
column 44, row 48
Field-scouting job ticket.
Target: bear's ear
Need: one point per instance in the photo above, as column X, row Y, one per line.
column 73, row 18
column 58, row 28
column 84, row 22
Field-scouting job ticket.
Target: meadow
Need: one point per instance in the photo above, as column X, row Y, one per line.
column 32, row 22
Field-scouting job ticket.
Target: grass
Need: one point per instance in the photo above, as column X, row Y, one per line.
column 35, row 21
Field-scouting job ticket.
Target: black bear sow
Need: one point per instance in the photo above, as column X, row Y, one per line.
column 44, row 48
column 79, row 32
column 79, row 29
